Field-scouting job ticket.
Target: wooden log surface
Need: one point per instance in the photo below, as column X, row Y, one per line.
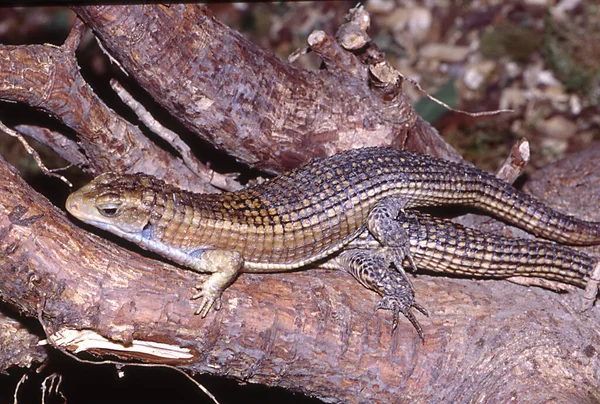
column 311, row 331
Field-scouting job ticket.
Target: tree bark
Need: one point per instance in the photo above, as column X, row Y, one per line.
column 312, row 331
column 244, row 100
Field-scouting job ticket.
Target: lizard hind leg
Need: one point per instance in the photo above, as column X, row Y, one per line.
column 385, row 226
column 373, row 270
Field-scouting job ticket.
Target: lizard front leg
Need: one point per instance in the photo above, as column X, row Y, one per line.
column 373, row 270
column 224, row 266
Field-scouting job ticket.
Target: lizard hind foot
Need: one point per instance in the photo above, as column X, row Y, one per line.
column 373, row 269
column 403, row 304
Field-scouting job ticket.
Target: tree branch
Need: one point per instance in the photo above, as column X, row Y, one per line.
column 245, row 100
column 308, row 328
column 52, row 82
column 312, row 331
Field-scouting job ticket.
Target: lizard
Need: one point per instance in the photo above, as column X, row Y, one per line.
column 346, row 212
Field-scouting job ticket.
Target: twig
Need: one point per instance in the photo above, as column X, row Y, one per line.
column 55, row 381
column 74, row 38
column 216, row 179
column 432, row 98
column 17, row 387
column 516, row 161
column 34, row 154
column 62, row 145
column 295, row 55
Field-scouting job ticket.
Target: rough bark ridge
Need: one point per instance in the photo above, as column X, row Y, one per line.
column 243, row 99
column 312, row 331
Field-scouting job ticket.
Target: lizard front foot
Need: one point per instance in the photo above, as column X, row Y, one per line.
column 225, row 266
column 209, row 297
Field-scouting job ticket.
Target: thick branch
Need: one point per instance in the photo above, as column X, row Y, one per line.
column 51, row 81
column 245, row 100
column 298, row 330
column 311, row 331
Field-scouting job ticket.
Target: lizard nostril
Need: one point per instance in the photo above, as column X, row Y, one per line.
column 72, row 204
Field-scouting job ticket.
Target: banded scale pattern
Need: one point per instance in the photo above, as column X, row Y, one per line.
column 312, row 212
column 284, row 223
column 442, row 246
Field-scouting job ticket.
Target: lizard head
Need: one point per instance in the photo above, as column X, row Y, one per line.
column 119, row 203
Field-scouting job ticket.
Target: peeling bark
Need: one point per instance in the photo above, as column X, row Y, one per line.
column 312, row 331
column 246, row 101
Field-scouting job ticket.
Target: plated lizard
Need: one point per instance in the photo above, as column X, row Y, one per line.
column 347, row 212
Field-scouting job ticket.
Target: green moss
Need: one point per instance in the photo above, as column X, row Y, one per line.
column 510, row 40
column 572, row 51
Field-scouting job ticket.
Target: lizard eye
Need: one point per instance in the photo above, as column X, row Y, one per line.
column 108, row 210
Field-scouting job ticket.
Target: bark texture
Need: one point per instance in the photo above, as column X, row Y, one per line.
column 313, row 331
column 244, row 100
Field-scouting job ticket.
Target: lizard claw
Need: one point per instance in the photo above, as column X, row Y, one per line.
column 209, row 298
column 403, row 304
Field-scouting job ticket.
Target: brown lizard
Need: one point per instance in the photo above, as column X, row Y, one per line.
column 347, row 212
